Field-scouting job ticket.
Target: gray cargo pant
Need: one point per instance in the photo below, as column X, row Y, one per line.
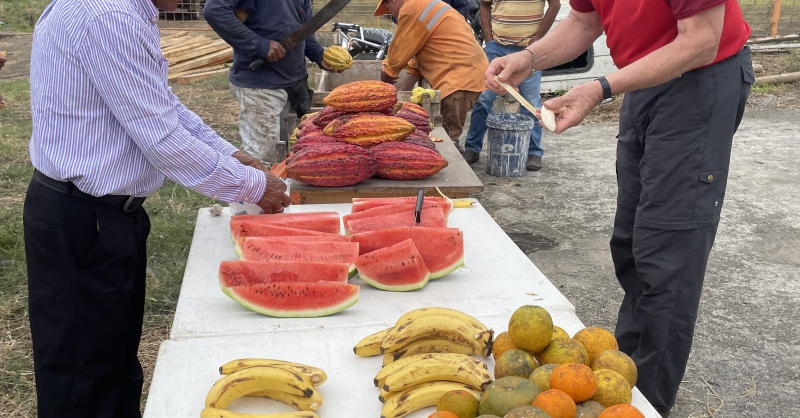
column 263, row 125
column 673, row 153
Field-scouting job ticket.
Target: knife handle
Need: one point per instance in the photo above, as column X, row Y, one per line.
column 256, row 64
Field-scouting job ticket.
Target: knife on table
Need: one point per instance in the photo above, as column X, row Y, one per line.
column 418, row 210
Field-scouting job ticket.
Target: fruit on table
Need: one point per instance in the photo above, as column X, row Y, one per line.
column 420, row 396
column 575, row 379
column 438, row 323
column 460, row 403
column 361, row 204
column 420, row 122
column 527, row 411
column 595, row 340
column 422, row 142
column 332, row 165
column 541, row 376
column 442, row 249
column 398, row 268
column 588, row 409
column 258, row 249
column 243, row 229
column 411, row 107
column 316, row 375
column 300, row 403
column 431, row 345
column 389, row 369
column 502, row 343
column 442, row 414
column 556, row 403
column 337, row 57
column 433, row 218
column 380, row 238
column 621, row 411
column 370, row 130
column 327, row 222
column 563, row 350
column 362, row 96
column 328, row 114
column 507, row 393
column 254, row 379
column 313, row 140
column 307, row 130
column 456, row 368
column 248, row 273
column 619, row 362
column 296, row 300
column 390, row 209
column 402, row 161
column 514, row 362
column 531, row 328
column 221, row 413
column 371, row 344
column 612, row 388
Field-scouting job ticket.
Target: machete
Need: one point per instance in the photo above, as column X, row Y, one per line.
column 307, row 28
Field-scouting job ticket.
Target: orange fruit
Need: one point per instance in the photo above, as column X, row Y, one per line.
column 501, row 344
column 621, row 411
column 596, row 340
column 556, row 403
column 442, row 414
column 514, row 362
column 562, row 350
column 588, row 409
column 460, row 403
column 531, row 328
column 575, row 379
column 612, row 388
column 541, row 376
column 619, row 362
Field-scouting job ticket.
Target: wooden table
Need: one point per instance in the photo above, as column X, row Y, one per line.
column 457, row 180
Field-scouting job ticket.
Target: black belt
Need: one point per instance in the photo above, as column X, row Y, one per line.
column 126, row 203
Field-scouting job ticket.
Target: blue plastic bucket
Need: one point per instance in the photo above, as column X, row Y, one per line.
column 509, row 137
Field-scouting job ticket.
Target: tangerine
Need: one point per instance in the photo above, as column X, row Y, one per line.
column 588, row 409
column 501, row 344
column 460, row 403
column 531, row 328
column 442, row 414
column 596, row 340
column 514, row 362
column 563, row 350
column 575, row 379
column 621, row 411
column 612, row 388
column 541, row 376
column 619, row 362
column 556, row 403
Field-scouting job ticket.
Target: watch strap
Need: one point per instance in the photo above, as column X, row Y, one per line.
column 606, row 88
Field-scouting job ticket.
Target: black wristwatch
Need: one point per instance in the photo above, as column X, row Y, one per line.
column 607, row 96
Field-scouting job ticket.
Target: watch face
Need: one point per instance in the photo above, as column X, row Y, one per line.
column 609, row 100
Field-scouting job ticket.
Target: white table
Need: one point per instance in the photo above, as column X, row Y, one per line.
column 497, row 279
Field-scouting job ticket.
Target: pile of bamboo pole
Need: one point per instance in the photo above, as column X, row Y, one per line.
column 194, row 58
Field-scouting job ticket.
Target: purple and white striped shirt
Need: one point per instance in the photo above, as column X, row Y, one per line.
column 104, row 116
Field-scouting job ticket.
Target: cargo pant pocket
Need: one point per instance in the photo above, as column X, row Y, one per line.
column 708, row 203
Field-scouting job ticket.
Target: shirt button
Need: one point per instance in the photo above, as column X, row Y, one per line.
column 710, row 177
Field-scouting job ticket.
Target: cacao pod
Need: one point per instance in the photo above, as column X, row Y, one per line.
column 337, row 57
column 413, row 107
column 404, row 161
column 423, row 142
column 369, row 130
column 293, row 137
column 420, row 122
column 312, row 140
column 309, row 130
column 332, row 165
column 362, row 96
column 328, row 114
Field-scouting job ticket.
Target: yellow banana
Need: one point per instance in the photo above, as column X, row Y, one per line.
column 384, row 395
column 437, row 327
column 393, row 367
column 221, row 413
column 300, row 403
column 371, row 344
column 256, row 379
column 430, row 346
column 315, row 374
column 458, row 203
column 410, row 316
column 421, row 396
column 436, row 369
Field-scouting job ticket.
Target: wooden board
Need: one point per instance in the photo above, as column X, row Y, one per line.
column 197, row 51
column 457, row 180
column 188, row 79
column 206, row 60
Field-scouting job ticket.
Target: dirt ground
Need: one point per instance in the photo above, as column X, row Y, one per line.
column 746, row 350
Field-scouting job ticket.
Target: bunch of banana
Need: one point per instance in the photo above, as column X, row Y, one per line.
column 421, row 396
column 429, row 330
column 286, row 382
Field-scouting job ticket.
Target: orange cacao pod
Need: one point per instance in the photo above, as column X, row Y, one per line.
column 362, row 96
column 369, row 130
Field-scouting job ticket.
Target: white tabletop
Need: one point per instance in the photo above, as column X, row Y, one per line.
column 496, row 279
column 186, row 369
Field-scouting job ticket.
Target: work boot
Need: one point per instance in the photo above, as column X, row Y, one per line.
column 534, row 163
column 471, row 156
column 458, row 147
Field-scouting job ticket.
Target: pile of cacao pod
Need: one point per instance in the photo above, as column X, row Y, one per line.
column 363, row 131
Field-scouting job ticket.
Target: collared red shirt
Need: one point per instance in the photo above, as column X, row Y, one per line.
column 104, row 116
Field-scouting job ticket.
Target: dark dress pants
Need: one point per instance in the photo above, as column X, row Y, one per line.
column 673, row 153
column 86, row 283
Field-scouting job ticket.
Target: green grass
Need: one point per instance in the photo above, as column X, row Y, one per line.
column 20, row 15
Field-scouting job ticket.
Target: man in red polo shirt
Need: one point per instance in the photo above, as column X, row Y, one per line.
column 686, row 74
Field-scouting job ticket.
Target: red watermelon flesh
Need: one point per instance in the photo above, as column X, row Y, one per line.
column 296, row 300
column 433, row 218
column 442, row 249
column 327, row 222
column 259, row 249
column 364, row 203
column 243, row 229
column 381, row 238
column 398, row 268
column 389, row 209
column 245, row 273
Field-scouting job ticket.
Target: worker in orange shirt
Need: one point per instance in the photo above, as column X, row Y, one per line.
column 434, row 41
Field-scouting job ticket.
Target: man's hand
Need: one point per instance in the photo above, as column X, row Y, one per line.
column 249, row 160
column 512, row 69
column 275, row 197
column 534, row 38
column 386, row 78
column 324, row 65
column 574, row 105
column 276, row 51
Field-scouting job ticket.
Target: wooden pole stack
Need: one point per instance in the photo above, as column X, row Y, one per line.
column 194, row 58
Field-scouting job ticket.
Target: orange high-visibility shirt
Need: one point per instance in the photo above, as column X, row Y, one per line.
column 441, row 42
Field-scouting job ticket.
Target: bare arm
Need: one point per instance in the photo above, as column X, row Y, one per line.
column 486, row 20
column 553, row 6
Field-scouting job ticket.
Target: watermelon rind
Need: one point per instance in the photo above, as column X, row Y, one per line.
column 403, row 288
column 307, row 313
column 447, row 270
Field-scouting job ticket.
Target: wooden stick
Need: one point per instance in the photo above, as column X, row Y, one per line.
column 188, row 79
column 197, row 52
column 774, row 47
column 773, row 40
column 197, row 71
column 185, row 43
column 776, row 16
column 777, row 79
column 211, row 59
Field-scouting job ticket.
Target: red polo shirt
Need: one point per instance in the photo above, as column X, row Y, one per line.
column 635, row 28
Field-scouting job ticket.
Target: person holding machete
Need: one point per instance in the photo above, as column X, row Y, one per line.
column 107, row 132
column 686, row 74
column 254, row 29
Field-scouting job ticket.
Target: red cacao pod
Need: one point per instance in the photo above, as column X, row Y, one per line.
column 404, row 161
column 332, row 165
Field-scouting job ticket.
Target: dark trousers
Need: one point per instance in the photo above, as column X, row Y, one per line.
column 673, row 155
column 86, row 283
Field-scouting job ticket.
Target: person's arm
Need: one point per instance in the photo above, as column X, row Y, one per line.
column 553, row 6
column 409, row 38
column 485, row 12
column 132, row 82
column 221, row 16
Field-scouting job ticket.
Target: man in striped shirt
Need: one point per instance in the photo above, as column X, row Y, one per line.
column 509, row 26
column 107, row 132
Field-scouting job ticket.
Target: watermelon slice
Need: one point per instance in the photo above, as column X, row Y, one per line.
column 242, row 229
column 433, row 218
column 442, row 249
column 260, row 249
column 390, row 209
column 398, row 268
column 327, row 222
column 365, row 203
column 245, row 273
column 374, row 240
column 296, row 300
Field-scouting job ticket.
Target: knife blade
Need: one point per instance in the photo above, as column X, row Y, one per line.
column 418, row 210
